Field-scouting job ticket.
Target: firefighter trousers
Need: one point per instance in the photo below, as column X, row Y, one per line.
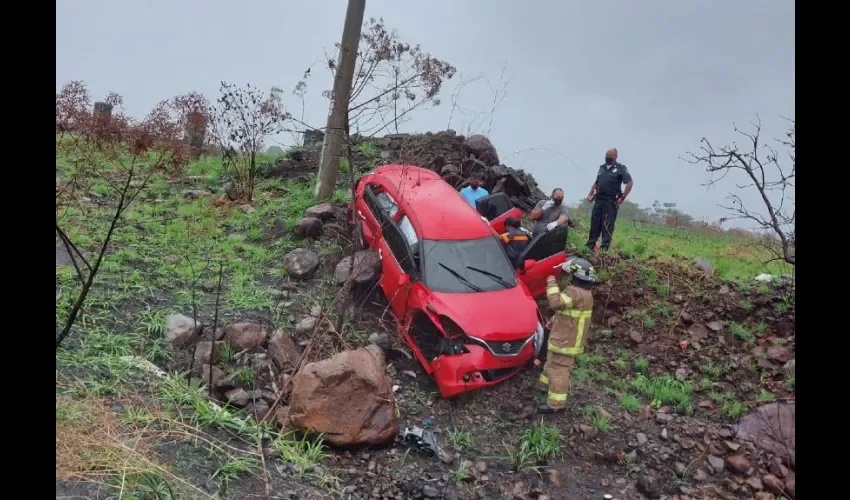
column 563, row 349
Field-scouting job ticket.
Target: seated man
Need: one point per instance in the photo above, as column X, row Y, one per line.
column 515, row 239
column 549, row 214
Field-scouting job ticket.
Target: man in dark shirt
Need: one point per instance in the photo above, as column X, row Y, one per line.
column 515, row 239
column 609, row 196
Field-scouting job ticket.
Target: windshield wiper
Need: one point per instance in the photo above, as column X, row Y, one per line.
column 498, row 279
column 461, row 278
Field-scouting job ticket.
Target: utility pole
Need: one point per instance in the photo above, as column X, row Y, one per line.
column 334, row 134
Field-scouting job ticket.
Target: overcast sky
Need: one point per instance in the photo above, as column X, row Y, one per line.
column 648, row 77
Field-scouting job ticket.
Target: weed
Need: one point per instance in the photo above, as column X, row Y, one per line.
column 540, row 443
column 629, row 402
column 245, row 376
column 733, row 409
column 589, row 359
column 304, row 453
column 742, row 332
column 226, row 352
column 781, row 307
column 706, row 384
column 662, row 309
column 665, row 390
column 641, row 364
column 606, row 333
column 648, row 323
column 745, row 305
column 596, row 418
column 760, row 327
column 462, row 472
column 236, row 466
column 766, row 397
column 712, row 370
column 620, row 384
column 621, row 364
column 368, row 150
column 459, row 439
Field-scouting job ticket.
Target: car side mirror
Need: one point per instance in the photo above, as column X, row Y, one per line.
column 403, row 279
column 529, row 264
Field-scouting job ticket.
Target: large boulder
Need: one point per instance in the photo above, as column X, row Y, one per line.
column 482, row 148
column 348, row 398
column 301, row 263
column 366, row 268
column 772, row 427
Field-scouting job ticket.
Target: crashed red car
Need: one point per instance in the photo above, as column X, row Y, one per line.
column 467, row 313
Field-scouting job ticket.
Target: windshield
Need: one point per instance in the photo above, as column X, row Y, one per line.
column 466, row 266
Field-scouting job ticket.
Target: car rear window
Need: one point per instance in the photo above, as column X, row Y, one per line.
column 466, row 266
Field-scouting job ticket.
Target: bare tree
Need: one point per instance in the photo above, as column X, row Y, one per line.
column 116, row 152
column 241, row 120
column 764, row 170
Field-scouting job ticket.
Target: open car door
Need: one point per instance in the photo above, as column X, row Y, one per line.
column 496, row 208
column 543, row 257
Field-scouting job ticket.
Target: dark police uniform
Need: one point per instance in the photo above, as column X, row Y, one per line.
column 609, row 181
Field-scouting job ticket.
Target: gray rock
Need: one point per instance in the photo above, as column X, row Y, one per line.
column 716, row 463
column 430, row 492
column 366, row 268
column 323, row 212
column 306, row 325
column 301, row 263
column 308, row 227
column 702, row 264
column 204, row 352
column 181, row 330
column 648, row 486
column 642, row 439
column 381, row 340
column 245, row 336
column 482, row 148
column 238, row 397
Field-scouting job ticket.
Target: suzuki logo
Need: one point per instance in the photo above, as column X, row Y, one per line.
column 506, row 347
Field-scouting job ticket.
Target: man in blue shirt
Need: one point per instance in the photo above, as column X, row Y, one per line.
column 473, row 191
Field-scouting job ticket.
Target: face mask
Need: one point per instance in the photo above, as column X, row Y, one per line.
column 474, row 187
column 558, row 201
column 609, row 161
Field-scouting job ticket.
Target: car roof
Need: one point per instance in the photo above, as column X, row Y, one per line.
column 436, row 210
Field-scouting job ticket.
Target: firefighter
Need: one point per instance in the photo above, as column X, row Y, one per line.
column 573, row 309
column 515, row 239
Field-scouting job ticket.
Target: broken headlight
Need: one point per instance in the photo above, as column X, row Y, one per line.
column 538, row 339
column 453, row 343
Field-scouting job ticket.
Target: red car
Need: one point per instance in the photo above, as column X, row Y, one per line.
column 467, row 312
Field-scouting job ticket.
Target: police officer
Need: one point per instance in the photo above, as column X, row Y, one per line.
column 606, row 190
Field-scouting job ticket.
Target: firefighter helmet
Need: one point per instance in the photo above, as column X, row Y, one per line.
column 581, row 270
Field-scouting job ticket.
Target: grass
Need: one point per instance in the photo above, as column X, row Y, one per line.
column 538, row 444
column 742, row 332
column 641, row 364
column 597, row 418
column 664, row 390
column 629, row 403
column 733, row 258
column 460, row 440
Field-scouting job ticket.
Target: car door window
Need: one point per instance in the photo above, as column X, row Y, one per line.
column 382, row 206
column 399, row 247
column 407, row 230
column 388, row 206
column 545, row 245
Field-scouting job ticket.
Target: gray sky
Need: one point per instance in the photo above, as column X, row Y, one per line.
column 650, row 78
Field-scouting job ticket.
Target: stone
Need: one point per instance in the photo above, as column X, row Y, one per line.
column 429, row 491
column 641, row 439
column 716, row 463
column 556, row 478
column 687, row 317
column 700, row 475
column 703, row 265
column 714, row 326
column 181, row 330
column 281, row 416
column 348, row 397
column 698, row 332
column 588, row 432
column 367, row 268
column 680, row 469
column 790, row 487
column 771, row 427
column 635, row 336
column 755, row 483
column 244, row 336
column 381, row 340
column 764, row 495
column 773, row 484
column 204, row 352
column 248, row 209
column 259, row 408
column 731, row 446
column 301, row 263
column 648, row 486
column 780, row 354
column 283, row 350
column 308, row 227
column 238, row 396
column 217, row 375
column 323, row 212
column 738, row 464
column 482, row 148
column 681, row 373
column 664, row 434
column 306, row 325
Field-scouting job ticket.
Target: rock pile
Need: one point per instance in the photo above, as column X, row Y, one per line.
column 455, row 157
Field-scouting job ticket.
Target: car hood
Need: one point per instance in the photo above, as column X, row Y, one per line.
column 492, row 316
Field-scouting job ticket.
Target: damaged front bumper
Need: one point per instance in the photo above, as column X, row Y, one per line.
column 484, row 366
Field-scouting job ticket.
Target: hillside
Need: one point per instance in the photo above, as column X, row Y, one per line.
column 686, row 389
